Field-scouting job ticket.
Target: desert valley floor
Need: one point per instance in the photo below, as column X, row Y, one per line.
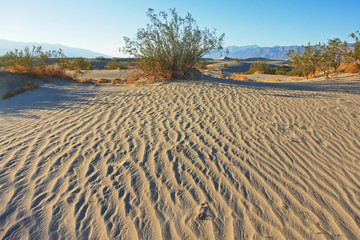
column 204, row 159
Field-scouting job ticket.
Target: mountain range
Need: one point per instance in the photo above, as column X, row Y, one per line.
column 7, row 46
column 252, row 51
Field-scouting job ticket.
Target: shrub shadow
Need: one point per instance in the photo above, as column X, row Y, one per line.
column 337, row 84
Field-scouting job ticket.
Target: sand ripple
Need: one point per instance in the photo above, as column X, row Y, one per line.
column 120, row 162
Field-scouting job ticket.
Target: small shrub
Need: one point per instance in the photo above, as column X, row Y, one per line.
column 8, row 94
column 80, row 64
column 113, row 64
column 225, row 65
column 236, row 60
column 295, row 72
column 281, row 71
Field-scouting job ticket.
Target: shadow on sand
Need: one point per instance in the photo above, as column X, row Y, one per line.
column 337, row 84
column 57, row 93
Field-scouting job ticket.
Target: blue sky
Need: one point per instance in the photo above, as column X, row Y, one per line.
column 101, row 25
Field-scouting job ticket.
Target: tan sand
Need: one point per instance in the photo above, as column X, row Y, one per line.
column 209, row 159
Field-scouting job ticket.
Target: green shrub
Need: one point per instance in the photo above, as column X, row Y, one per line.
column 113, row 64
column 295, row 72
column 224, row 65
column 354, row 53
column 169, row 48
column 80, row 64
column 34, row 59
column 103, row 58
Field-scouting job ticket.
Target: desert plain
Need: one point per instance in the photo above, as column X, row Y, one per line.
column 208, row 158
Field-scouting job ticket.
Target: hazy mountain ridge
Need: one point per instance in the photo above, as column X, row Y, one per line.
column 254, row 51
column 243, row 52
column 7, row 46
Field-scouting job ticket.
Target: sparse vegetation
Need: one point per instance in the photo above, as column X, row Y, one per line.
column 326, row 58
column 80, row 64
column 169, row 48
column 35, row 63
column 113, row 64
column 103, row 58
column 354, row 51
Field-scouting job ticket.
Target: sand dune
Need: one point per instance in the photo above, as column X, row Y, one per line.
column 209, row 159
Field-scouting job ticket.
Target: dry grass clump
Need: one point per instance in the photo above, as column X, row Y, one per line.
column 36, row 72
column 31, row 86
column 240, row 78
column 132, row 77
column 222, row 73
column 102, row 80
column 115, row 80
column 259, row 72
column 296, row 78
column 88, row 80
column 272, row 80
column 8, row 94
column 351, row 68
column 54, row 72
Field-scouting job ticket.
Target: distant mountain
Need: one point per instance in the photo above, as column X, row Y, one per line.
column 254, row 51
column 7, row 46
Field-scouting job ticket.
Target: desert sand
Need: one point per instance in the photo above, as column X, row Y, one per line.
column 200, row 159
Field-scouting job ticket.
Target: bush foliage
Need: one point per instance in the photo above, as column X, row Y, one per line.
column 113, row 64
column 169, row 47
column 35, row 58
column 80, row 64
column 262, row 67
column 326, row 58
column 35, row 62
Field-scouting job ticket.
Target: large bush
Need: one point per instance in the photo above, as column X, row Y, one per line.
column 354, row 52
column 325, row 58
column 168, row 48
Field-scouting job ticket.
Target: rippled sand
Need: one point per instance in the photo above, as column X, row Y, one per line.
column 200, row 159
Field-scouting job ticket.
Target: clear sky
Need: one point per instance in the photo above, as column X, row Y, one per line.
column 100, row 25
